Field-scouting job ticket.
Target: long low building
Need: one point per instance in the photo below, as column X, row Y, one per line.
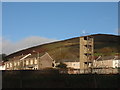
column 29, row 62
column 107, row 63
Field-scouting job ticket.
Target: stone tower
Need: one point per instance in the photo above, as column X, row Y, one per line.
column 86, row 53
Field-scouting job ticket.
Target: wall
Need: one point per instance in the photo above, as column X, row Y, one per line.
column 74, row 65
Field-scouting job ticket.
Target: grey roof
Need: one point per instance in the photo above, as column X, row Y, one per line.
column 109, row 58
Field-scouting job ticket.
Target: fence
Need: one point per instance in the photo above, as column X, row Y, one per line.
column 92, row 71
column 51, row 79
column 106, row 71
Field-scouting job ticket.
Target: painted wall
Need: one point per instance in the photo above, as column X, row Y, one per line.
column 74, row 65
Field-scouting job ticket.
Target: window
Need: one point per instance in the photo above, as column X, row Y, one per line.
column 85, row 62
column 27, row 62
column 18, row 63
column 7, row 65
column 14, row 63
column 35, row 61
column 31, row 62
column 10, row 64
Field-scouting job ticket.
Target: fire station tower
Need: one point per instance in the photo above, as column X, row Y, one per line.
column 86, row 53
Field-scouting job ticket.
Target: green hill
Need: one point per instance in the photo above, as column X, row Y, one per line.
column 68, row 50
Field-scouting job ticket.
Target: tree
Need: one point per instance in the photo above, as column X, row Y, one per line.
column 62, row 65
column 3, row 57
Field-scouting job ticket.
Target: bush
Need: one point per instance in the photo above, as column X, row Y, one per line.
column 62, row 65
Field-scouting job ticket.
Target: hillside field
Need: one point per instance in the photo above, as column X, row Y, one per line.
column 68, row 50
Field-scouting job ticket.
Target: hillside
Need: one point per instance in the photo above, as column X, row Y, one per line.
column 68, row 50
column 106, row 44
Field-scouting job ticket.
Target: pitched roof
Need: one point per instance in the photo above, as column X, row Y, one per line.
column 109, row 58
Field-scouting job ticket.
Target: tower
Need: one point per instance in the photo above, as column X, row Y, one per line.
column 86, row 53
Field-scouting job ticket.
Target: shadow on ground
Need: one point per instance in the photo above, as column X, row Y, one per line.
column 52, row 79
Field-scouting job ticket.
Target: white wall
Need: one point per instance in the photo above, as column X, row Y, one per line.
column 2, row 67
column 75, row 65
column 116, row 63
column 107, row 63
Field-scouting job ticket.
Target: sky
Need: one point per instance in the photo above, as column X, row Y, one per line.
column 41, row 22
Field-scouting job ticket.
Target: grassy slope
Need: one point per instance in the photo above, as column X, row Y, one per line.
column 106, row 45
column 69, row 49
